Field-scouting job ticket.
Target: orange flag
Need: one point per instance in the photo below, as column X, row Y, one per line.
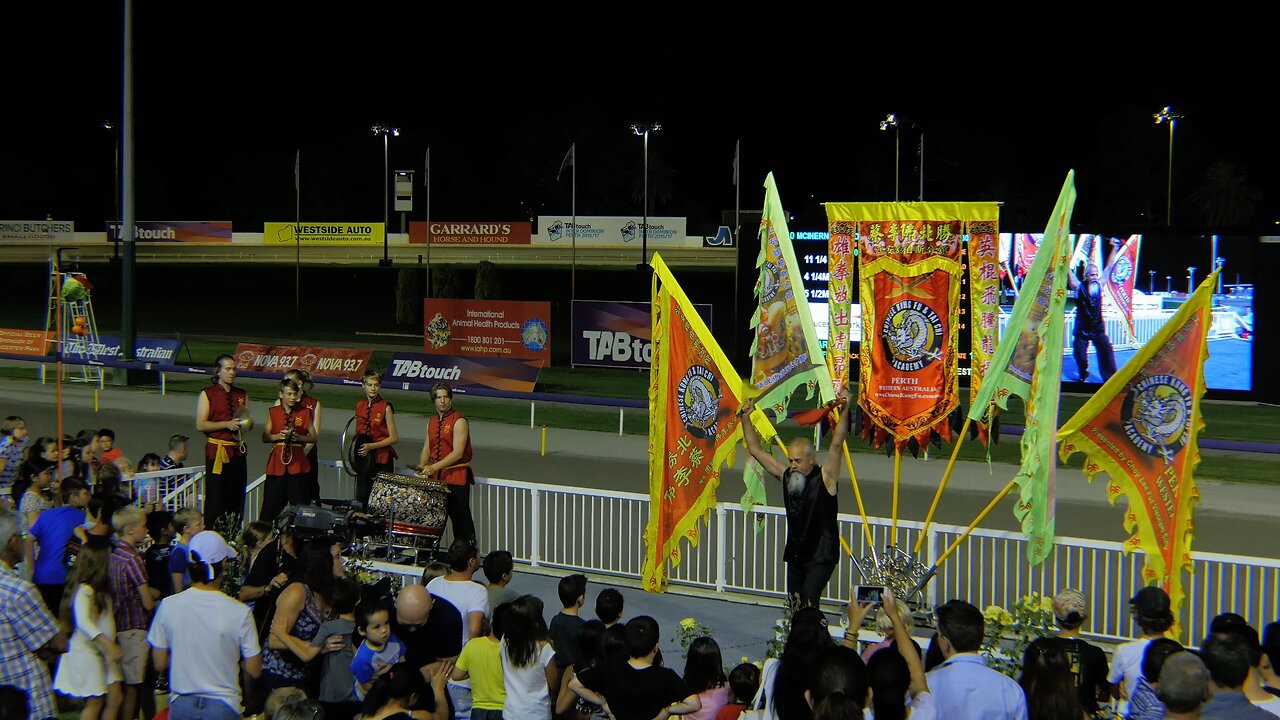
column 1141, row 429
column 694, row 395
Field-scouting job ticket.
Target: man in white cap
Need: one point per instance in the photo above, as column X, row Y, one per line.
column 202, row 638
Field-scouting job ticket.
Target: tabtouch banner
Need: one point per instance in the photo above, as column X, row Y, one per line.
column 616, row 334
column 177, row 231
column 613, row 231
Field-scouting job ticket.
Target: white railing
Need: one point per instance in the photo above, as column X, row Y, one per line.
column 602, row 532
column 1145, row 325
column 178, row 488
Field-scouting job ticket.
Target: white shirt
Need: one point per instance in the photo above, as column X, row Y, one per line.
column 527, row 692
column 466, row 595
column 964, row 686
column 207, row 634
column 1272, row 706
column 1126, row 664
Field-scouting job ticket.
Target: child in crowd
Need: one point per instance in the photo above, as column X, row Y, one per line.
column 109, row 480
column 45, row 447
column 609, row 606
column 13, row 441
column 189, row 522
column 498, row 568
column 590, row 654
column 481, row 662
column 639, row 688
column 281, row 697
column 53, row 531
column 147, row 490
column 379, row 650
column 35, row 476
column 402, row 687
column 105, row 441
column 91, row 667
column 744, row 681
column 704, row 674
column 162, row 531
column 432, row 571
column 567, row 625
column 102, row 508
column 337, row 683
column 527, row 661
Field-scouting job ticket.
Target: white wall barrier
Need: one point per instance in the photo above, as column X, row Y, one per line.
column 601, row 532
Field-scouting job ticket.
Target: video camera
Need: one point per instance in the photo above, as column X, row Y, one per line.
column 340, row 519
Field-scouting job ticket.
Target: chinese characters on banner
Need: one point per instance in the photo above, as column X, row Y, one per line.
column 984, row 301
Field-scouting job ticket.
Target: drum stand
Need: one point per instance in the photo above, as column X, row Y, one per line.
column 399, row 547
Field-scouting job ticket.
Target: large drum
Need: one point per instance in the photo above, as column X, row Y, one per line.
column 410, row 505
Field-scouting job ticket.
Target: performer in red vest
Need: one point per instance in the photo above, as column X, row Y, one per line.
column 290, row 427
column 375, row 420
column 447, row 454
column 308, row 401
column 225, row 471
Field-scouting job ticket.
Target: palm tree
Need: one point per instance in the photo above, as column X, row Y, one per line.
column 1226, row 198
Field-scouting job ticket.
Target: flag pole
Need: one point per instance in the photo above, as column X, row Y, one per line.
column 969, row 530
column 897, row 481
column 297, row 243
column 426, row 182
column 853, row 478
column 737, row 231
column 573, row 229
column 942, row 485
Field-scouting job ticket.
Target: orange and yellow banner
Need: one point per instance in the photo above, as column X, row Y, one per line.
column 984, row 304
column 1121, row 274
column 910, row 263
column 694, row 395
column 1141, row 429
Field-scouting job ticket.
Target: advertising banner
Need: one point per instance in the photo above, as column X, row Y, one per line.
column 179, row 231
column 323, row 234
column 346, row 363
column 41, row 231
column 157, row 350
column 488, row 328
column 495, row 373
column 470, row 233
column 25, row 342
column 616, row 334
column 613, row 231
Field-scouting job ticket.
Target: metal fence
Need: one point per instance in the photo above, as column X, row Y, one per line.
column 740, row 553
column 1145, row 325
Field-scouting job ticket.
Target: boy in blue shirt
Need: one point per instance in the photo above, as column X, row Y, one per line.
column 380, row 650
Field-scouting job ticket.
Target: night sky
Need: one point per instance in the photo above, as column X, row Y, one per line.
column 227, row 94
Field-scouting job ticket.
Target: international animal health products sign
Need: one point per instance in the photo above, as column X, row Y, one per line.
column 613, row 232
column 327, row 234
column 488, row 328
